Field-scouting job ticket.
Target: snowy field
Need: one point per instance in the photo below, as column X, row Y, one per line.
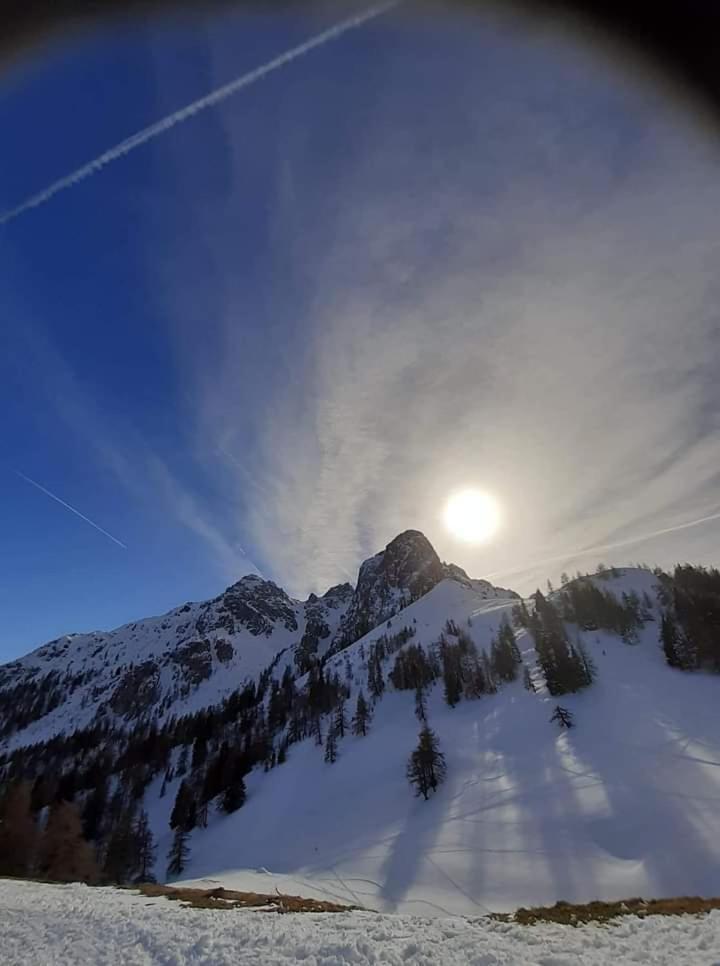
column 59, row 925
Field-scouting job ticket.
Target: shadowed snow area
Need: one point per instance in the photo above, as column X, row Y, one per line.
column 626, row 803
column 56, row 925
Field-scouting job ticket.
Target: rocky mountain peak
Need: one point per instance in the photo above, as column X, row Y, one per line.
column 405, row 570
column 339, row 593
column 256, row 603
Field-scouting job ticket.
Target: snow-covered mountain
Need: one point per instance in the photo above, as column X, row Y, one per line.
column 195, row 655
column 242, row 694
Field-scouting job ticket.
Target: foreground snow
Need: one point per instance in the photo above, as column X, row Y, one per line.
column 52, row 924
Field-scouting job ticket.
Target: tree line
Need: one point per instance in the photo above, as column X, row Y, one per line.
column 690, row 621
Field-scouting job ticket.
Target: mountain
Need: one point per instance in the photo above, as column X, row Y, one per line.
column 274, row 736
column 407, row 569
column 197, row 654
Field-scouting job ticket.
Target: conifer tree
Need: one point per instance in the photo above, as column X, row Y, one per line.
column 566, row 668
column 361, row 717
column 146, row 848
column 426, row 768
column 563, row 717
column 520, row 616
column 296, row 728
column 199, row 753
column 94, row 810
column 420, row 705
column 340, row 723
column 452, row 676
column 505, row 654
column 487, row 672
column 185, row 809
column 179, row 852
column 670, row 641
column 331, row 747
column 376, row 681
column 202, row 815
column 121, row 859
column 646, row 608
column 234, row 795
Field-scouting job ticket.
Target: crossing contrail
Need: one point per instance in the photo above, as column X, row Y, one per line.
column 71, row 509
column 209, row 100
column 570, row 555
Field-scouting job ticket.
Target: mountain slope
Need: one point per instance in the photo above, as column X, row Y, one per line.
column 625, row 803
column 197, row 654
column 184, row 660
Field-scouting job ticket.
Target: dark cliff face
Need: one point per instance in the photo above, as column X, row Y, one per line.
column 319, row 623
column 403, row 572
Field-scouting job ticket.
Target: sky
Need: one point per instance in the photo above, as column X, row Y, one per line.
column 440, row 250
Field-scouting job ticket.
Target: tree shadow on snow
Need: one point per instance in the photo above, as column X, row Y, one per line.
column 411, row 846
column 663, row 804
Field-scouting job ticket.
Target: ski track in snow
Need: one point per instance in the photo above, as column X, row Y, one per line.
column 57, row 925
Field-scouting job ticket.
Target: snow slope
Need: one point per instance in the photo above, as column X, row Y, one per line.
column 56, row 925
column 626, row 803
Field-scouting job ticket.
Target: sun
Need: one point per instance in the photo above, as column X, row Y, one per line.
column 472, row 516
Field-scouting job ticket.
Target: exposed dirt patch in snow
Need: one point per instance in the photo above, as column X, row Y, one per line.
column 231, row 899
column 572, row 914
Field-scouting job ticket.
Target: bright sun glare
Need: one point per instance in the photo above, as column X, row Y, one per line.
column 472, row 516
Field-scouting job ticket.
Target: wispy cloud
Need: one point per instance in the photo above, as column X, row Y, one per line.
column 141, row 471
column 518, row 292
column 190, row 110
column 72, row 509
column 578, row 552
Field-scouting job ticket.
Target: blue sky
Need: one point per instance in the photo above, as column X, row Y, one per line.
column 433, row 252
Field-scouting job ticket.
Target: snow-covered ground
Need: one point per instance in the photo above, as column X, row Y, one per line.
column 58, row 925
column 627, row 803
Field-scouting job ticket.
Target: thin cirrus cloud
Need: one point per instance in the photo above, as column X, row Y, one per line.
column 540, row 323
column 142, row 473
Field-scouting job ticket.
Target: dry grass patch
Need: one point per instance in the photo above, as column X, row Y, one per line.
column 570, row 914
column 230, row 899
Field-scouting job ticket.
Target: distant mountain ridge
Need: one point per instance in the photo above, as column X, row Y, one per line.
column 198, row 653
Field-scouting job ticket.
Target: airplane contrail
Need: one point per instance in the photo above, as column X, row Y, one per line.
column 71, row 509
column 209, row 100
column 570, row 555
